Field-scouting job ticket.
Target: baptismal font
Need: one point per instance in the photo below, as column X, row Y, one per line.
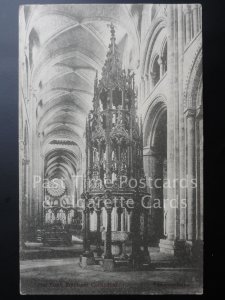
column 115, row 180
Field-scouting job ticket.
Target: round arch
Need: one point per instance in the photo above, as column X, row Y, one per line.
column 156, row 109
column 151, row 37
column 193, row 81
column 155, row 164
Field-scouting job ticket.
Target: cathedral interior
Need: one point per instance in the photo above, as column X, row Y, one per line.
column 111, row 92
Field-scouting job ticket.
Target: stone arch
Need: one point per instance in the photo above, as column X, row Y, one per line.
column 153, row 58
column 156, row 27
column 163, row 55
column 155, row 110
column 149, row 77
column 193, row 81
column 62, row 163
column 199, row 93
column 163, row 45
column 155, row 69
column 155, row 164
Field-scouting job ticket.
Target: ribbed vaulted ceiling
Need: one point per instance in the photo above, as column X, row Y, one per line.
column 67, row 45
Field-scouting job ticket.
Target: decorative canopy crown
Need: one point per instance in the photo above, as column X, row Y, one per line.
column 113, row 135
column 114, row 78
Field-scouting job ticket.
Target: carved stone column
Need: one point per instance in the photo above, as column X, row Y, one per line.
column 171, row 216
column 151, row 171
column 181, row 121
column 168, row 245
column 88, row 229
column 108, row 253
column 98, row 244
column 195, row 19
column 187, row 12
column 24, row 205
column 129, row 217
column 136, row 254
column 191, row 191
column 145, row 236
column 200, row 17
column 119, row 215
column 123, row 222
column 42, row 192
column 86, row 241
column 199, row 208
column 84, row 230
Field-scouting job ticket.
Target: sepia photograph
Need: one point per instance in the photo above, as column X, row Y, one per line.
column 110, row 149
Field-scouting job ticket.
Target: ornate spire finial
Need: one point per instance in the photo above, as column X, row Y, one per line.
column 113, row 38
column 95, row 98
column 112, row 30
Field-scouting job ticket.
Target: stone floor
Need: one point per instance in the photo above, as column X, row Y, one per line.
column 64, row 276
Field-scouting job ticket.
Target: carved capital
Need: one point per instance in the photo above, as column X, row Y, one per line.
column 199, row 112
column 98, row 210
column 109, row 209
column 190, row 113
column 148, row 151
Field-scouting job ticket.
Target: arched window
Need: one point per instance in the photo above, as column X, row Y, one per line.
column 155, row 71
